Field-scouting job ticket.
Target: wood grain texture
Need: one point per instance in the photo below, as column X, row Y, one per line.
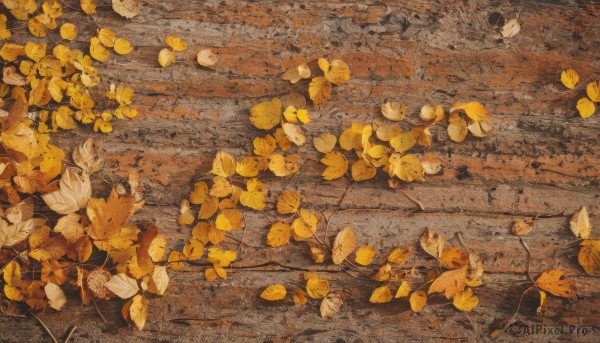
column 541, row 161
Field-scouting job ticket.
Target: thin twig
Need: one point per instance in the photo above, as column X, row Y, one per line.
column 70, row 333
column 243, row 232
column 461, row 241
column 528, row 262
column 45, row 327
column 412, row 199
column 99, row 312
column 334, row 212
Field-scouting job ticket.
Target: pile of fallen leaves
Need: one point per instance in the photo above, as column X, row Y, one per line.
column 585, row 105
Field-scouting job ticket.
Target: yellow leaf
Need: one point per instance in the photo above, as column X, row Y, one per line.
column 585, row 107
column 393, row 111
column 336, row 163
column 476, row 111
column 399, row 255
column 35, row 51
column 176, row 43
column 11, row 51
column 176, row 260
column 282, row 141
column 219, row 257
column 200, row 193
column 364, row 255
column 593, row 91
column 230, row 219
column 542, row 301
column 288, row 202
column 97, row 50
column 465, row 301
column 319, row 90
column 381, row 295
column 248, row 167
column 417, row 301
column 337, row 72
column 450, row 282
column 138, row 311
column 221, row 187
column 279, row 234
column 223, row 164
column 88, row 6
column 255, row 197
column 362, row 171
column 264, row 146
column 404, row 141
column 193, row 250
column 107, row 37
column 266, row 114
column 457, row 128
column 122, row 46
column 325, row 142
column 351, row 137
column 166, row 57
column 511, row 28
column 68, row 31
column 127, row 8
column 407, row 168
column 554, row 282
column 453, row 257
column 274, row 292
column 294, row 133
column 589, row 256
column 403, row 290
column 186, row 216
column 306, row 225
column 330, row 305
column 569, row 78
column 431, row 164
column 208, row 208
column 344, row 244
column 432, row 243
column 428, row 113
column 384, row 273
column 299, row 297
column 317, row 288
column 36, row 26
column 580, row 223
column 13, row 293
column 206, row 58
column 282, row 166
column 157, row 248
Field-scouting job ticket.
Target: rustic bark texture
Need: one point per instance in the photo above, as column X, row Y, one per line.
column 541, row 161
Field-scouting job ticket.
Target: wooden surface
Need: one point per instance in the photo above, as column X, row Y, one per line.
column 542, row 159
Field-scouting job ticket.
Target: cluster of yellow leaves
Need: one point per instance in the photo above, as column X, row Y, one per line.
column 303, row 222
column 84, row 225
column 316, row 288
column 166, row 56
column 105, row 39
column 212, row 207
column 586, row 105
column 336, row 72
column 589, row 253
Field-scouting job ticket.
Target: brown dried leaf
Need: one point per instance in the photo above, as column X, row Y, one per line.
column 344, row 244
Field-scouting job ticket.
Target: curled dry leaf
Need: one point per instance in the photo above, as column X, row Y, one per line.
column 56, row 296
column 70, row 227
column 580, row 223
column 166, row 57
column 344, row 244
column 127, row 8
column 431, row 164
column 294, row 133
column 393, row 111
column 88, row 157
column 522, row 226
column 298, row 73
column 511, row 28
column 330, row 305
column 206, row 58
column 553, row 281
column 403, row 290
column 75, row 191
column 432, row 243
column 11, row 77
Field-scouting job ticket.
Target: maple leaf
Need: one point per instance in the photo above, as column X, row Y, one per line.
column 554, row 282
column 465, row 301
column 453, row 258
column 75, row 191
column 450, row 282
column 336, row 163
column 107, row 218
